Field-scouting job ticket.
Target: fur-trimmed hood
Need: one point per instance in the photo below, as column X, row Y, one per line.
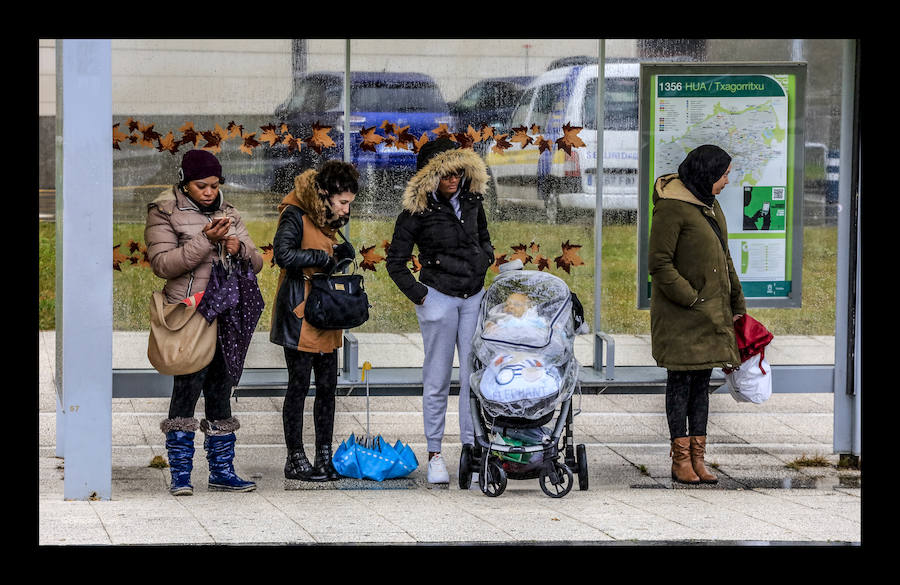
column 305, row 195
column 426, row 179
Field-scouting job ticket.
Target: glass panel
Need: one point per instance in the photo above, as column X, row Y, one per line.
column 822, row 130
column 478, row 92
column 255, row 103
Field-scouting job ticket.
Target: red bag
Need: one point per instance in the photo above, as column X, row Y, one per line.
column 752, row 337
column 750, row 382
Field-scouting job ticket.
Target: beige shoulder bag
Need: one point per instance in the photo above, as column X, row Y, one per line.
column 181, row 340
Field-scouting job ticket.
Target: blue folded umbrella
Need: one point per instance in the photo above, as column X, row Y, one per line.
column 374, row 459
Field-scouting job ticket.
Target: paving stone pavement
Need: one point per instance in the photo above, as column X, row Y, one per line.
column 761, row 497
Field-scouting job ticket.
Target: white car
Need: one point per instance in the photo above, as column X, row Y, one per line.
column 553, row 179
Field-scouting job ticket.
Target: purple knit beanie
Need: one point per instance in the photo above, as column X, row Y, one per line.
column 199, row 164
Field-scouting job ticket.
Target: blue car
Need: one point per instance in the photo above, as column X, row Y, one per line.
column 409, row 101
column 489, row 102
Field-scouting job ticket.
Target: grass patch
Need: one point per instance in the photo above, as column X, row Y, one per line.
column 804, row 461
column 158, row 462
column 393, row 313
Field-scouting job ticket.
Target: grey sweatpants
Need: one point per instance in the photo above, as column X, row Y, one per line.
column 447, row 324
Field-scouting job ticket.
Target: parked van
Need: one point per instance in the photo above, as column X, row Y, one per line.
column 554, row 179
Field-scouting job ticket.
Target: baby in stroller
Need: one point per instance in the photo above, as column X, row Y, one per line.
column 523, row 369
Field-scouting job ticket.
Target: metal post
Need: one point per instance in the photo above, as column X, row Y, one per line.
column 847, row 391
column 84, row 273
column 598, row 209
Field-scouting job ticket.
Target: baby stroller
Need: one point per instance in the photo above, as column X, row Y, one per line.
column 523, row 370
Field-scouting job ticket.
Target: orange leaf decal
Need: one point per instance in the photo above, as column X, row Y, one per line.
column 268, row 254
column 542, row 263
column 118, row 136
column 269, row 135
column 148, row 135
column 535, row 129
column 291, row 142
column 570, row 138
column 501, row 144
column 118, row 257
column 498, row 260
column 520, row 254
column 420, row 142
column 370, row 258
column 416, row 265
column 213, row 139
column 370, row 139
column 249, row 143
column 320, row 139
column 464, row 140
column 487, row 132
column 388, row 127
column 521, row 135
column 442, row 131
column 188, row 134
column 543, row 144
column 168, row 144
column 569, row 256
column 234, row 130
column 404, row 138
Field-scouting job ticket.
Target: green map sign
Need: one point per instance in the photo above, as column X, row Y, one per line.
column 752, row 113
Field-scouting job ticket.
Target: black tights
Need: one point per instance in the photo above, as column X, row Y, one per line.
column 299, row 366
column 687, row 402
column 213, row 382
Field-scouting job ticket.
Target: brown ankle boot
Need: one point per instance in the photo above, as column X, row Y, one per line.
column 682, row 471
column 698, row 448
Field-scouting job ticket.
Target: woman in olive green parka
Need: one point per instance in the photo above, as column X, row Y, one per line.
column 694, row 300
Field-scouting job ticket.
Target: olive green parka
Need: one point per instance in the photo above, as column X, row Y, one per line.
column 694, row 288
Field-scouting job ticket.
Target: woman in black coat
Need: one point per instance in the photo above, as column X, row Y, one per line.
column 443, row 215
column 306, row 242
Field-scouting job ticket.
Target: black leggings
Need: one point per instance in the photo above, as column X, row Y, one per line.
column 687, row 402
column 213, row 382
column 299, row 366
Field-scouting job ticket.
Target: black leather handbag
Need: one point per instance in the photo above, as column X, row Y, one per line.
column 337, row 301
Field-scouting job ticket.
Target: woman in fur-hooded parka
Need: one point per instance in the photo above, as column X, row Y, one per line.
column 455, row 253
column 443, row 215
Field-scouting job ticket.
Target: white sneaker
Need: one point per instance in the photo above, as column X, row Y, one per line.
column 474, row 485
column 437, row 471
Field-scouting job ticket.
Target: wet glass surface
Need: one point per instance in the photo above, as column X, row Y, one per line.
column 274, row 107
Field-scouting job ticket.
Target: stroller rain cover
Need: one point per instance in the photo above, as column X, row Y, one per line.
column 523, row 348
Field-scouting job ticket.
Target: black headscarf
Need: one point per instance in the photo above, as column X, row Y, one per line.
column 701, row 168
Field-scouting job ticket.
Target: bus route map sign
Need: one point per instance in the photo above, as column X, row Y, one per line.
column 754, row 111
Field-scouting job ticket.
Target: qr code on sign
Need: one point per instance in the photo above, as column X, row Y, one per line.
column 777, row 193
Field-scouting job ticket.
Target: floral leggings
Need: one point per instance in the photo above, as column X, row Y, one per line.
column 299, row 365
column 687, row 402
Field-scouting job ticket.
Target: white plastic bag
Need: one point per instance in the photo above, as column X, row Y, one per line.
column 752, row 382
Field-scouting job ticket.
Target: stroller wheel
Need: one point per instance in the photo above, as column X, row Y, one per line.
column 492, row 479
column 556, row 480
column 582, row 467
column 465, row 467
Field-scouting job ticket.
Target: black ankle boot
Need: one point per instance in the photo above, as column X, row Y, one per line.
column 298, row 466
column 323, row 463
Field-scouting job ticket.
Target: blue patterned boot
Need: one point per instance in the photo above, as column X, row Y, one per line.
column 180, row 449
column 219, row 446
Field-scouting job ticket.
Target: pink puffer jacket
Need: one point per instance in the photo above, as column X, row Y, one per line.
column 178, row 250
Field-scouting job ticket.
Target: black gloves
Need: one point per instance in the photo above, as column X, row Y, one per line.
column 344, row 251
